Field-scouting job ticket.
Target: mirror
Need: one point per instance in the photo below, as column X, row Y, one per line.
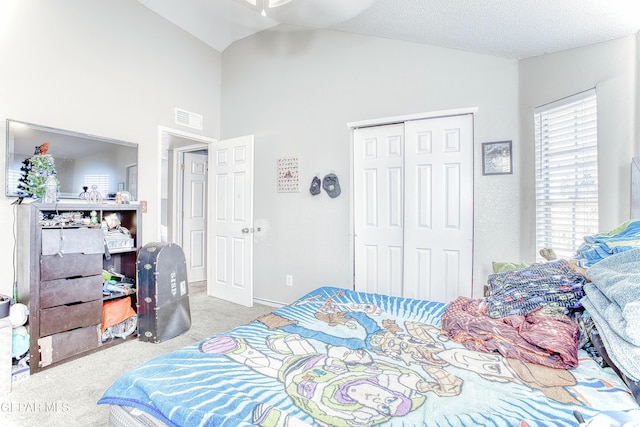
column 81, row 160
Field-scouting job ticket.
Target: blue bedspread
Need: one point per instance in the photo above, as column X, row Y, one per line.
column 613, row 301
column 337, row 357
column 601, row 246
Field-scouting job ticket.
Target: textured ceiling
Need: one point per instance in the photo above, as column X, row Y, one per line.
column 507, row 28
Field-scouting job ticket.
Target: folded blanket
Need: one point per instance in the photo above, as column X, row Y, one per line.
column 625, row 322
column 618, row 278
column 624, row 354
column 601, row 246
column 535, row 338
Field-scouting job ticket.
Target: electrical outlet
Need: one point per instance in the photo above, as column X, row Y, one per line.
column 289, row 280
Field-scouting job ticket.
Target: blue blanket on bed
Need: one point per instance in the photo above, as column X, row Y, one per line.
column 613, row 301
column 601, row 246
column 336, row 357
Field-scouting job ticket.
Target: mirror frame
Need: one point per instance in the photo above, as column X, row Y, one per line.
column 129, row 169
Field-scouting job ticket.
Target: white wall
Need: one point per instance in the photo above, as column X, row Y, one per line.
column 110, row 68
column 113, row 68
column 636, row 150
column 296, row 91
column 611, row 68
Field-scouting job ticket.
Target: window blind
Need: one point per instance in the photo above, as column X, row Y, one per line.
column 100, row 181
column 566, row 158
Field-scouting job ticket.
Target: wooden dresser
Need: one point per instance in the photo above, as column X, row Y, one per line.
column 59, row 275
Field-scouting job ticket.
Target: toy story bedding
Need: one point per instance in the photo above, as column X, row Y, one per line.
column 337, row 357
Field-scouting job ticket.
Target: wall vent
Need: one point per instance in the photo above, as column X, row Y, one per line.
column 189, row 119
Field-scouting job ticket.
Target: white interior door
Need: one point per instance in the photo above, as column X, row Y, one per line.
column 194, row 235
column 438, row 225
column 230, row 272
column 378, row 208
column 413, row 208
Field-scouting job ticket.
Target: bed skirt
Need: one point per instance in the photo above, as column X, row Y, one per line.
column 126, row 416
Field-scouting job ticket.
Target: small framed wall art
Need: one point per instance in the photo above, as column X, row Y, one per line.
column 288, row 175
column 497, row 158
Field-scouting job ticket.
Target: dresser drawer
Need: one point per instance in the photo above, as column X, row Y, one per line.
column 67, row 291
column 66, row 344
column 72, row 265
column 65, row 317
column 72, row 241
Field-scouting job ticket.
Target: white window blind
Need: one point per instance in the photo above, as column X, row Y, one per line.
column 101, row 181
column 13, row 179
column 566, row 135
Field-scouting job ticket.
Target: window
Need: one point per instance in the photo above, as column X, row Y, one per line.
column 13, row 179
column 566, row 152
column 101, row 181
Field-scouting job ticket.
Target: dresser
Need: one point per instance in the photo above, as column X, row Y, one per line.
column 62, row 252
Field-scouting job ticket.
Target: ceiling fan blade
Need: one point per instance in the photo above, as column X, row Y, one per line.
column 317, row 13
column 276, row 3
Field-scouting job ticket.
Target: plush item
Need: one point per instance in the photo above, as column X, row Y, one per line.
column 19, row 342
column 112, row 220
column 548, row 254
column 18, row 315
column 575, row 266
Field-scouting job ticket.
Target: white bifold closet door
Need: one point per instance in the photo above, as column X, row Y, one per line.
column 413, row 208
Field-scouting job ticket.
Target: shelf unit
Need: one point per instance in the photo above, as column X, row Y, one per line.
column 59, row 275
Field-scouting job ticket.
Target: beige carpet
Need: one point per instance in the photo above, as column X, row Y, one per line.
column 65, row 395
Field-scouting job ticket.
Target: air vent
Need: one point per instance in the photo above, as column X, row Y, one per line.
column 189, row 119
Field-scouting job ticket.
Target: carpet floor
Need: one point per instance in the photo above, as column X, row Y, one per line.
column 65, row 395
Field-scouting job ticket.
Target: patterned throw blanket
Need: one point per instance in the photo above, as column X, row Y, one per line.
column 339, row 358
column 519, row 292
column 535, row 338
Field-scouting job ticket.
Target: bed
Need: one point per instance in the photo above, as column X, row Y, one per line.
column 336, row 357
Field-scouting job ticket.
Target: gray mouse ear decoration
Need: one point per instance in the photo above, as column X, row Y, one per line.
column 331, row 185
column 315, row 186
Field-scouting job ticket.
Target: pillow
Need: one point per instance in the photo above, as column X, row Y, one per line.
column 501, row 267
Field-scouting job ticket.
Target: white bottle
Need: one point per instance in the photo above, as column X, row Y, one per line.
column 51, row 190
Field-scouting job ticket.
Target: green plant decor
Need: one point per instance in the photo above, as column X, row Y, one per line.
column 35, row 171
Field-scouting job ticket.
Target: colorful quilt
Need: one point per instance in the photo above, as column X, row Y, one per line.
column 521, row 291
column 336, row 357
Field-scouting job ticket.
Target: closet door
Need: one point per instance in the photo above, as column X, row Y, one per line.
column 438, row 225
column 413, row 208
column 378, row 208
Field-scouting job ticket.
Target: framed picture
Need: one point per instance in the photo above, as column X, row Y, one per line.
column 288, row 175
column 496, row 158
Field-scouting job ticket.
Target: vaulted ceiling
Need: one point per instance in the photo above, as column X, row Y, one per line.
column 506, row 28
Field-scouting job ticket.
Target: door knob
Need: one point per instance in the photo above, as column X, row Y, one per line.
column 245, row 230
